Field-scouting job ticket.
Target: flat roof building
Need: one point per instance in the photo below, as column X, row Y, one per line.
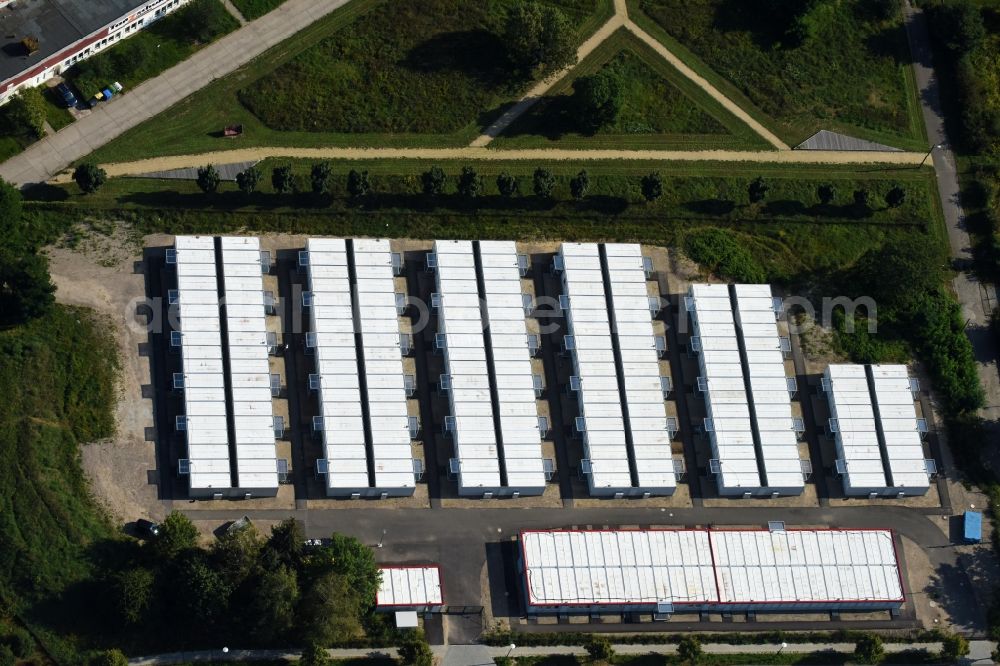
column 416, row 588
column 747, row 393
column 878, row 435
column 63, row 32
column 691, row 570
column 359, row 377
column 488, row 376
column 228, row 418
column 616, row 378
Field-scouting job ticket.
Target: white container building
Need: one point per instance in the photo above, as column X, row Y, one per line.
column 668, row 571
column 413, row 588
column 878, row 435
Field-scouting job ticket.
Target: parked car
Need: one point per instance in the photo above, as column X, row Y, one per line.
column 147, row 528
column 68, row 98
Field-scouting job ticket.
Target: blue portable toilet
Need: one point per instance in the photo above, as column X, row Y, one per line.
column 972, row 524
column 107, row 93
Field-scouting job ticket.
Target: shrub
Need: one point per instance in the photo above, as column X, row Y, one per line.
column 869, row 649
column 954, row 647
column 579, row 185
column 599, row 648
column 320, row 177
column 433, row 181
column 314, row 655
column 282, row 180
column 112, row 657
column 248, row 179
column 722, row 253
column 414, row 650
column 470, row 183
column 544, row 182
column 689, row 649
column 89, row 177
column 826, row 194
column 757, row 190
column 208, row 179
column 896, row 197
column 358, row 183
column 507, row 185
column 652, row 186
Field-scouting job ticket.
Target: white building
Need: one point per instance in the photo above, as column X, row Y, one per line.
column 66, row 32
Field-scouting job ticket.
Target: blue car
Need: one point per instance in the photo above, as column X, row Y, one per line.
column 68, row 98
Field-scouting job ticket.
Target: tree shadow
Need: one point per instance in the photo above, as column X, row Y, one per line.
column 785, row 207
column 890, row 43
column 767, row 23
column 44, row 192
column 478, row 54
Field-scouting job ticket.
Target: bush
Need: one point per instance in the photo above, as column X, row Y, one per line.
column 110, row 658
column 689, row 649
column 544, row 182
column 757, row 190
column 599, row 648
column 433, row 181
column 507, row 185
column 248, row 179
column 954, row 647
column 89, row 177
column 208, row 179
column 826, row 194
column 282, row 180
column 202, row 20
column 652, row 186
column 314, row 655
column 320, row 177
column 470, row 183
column 414, row 650
column 579, row 185
column 869, row 649
column 721, row 252
column 358, row 184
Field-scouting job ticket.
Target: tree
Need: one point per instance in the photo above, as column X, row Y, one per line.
column 356, row 562
column 248, row 179
column 201, row 20
column 894, row 274
column 959, row 26
column 20, row 642
column 26, row 291
column 470, row 183
column 235, row 554
column 358, row 184
column 597, row 99
column 896, row 197
column 271, row 607
column 544, row 182
column 282, row 180
column 320, row 177
column 757, row 191
column 538, row 38
column 7, row 657
column 27, row 110
column 134, row 593
column 954, row 647
column 433, row 181
column 199, row 593
column 869, row 649
column 208, row 179
column 329, row 610
column 414, row 650
column 652, row 186
column 89, row 177
column 579, row 185
column 862, row 202
column 689, row 649
column 507, row 185
column 826, row 194
column 599, row 648
column 113, row 657
column 177, row 534
column 314, row 655
column 286, row 542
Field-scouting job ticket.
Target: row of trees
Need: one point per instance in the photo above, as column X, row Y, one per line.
column 26, row 292
column 469, row 184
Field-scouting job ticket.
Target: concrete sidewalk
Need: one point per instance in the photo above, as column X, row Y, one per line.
column 54, row 153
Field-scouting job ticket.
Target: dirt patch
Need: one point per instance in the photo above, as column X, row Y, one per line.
column 94, row 266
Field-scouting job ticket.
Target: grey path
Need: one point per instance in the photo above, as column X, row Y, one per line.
column 827, row 140
column 232, row 9
column 226, row 172
column 974, row 296
column 54, row 153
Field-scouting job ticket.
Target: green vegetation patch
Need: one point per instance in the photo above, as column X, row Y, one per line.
column 825, row 64
column 661, row 108
column 253, row 9
column 410, row 66
column 149, row 52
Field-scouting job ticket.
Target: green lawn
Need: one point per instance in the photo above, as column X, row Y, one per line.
column 153, row 50
column 850, row 74
column 356, row 30
column 662, row 109
column 252, row 9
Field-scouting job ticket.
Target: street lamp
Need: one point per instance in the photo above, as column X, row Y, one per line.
column 380, row 540
column 510, row 648
column 225, row 650
column 783, row 646
column 929, row 151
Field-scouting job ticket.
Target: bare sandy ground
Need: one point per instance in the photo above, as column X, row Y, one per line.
column 98, row 274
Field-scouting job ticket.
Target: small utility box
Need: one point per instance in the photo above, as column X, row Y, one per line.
column 972, row 527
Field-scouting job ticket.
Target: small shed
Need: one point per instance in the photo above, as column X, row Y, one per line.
column 972, row 527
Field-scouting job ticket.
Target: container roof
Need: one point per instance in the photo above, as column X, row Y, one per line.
column 410, row 586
